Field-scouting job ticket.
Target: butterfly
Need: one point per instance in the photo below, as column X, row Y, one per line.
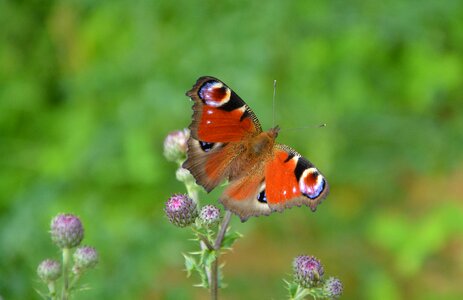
column 227, row 143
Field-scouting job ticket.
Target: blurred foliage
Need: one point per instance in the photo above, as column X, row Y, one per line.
column 89, row 90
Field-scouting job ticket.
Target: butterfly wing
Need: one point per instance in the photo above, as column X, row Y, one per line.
column 219, row 114
column 246, row 196
column 221, row 119
column 291, row 179
column 286, row 179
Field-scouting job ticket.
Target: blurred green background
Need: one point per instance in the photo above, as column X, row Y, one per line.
column 89, row 90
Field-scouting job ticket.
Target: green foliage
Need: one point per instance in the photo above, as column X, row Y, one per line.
column 89, row 90
column 296, row 292
column 230, row 238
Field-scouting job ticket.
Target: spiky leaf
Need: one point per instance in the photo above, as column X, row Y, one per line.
column 229, row 239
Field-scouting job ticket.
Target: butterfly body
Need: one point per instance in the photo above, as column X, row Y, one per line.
column 227, row 143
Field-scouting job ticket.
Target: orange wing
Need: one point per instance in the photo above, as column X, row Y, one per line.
column 220, row 119
column 290, row 180
column 219, row 114
column 287, row 179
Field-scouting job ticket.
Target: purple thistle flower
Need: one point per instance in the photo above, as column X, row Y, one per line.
column 209, row 214
column 66, row 231
column 308, row 270
column 85, row 257
column 181, row 210
column 333, row 287
column 175, row 145
column 49, row 270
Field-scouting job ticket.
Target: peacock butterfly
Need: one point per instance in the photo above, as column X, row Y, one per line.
column 227, row 142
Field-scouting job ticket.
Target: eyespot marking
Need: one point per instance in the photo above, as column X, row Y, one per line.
column 205, row 146
column 214, row 93
column 311, row 183
column 262, row 198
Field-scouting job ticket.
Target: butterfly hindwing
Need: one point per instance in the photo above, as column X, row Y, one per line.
column 287, row 179
column 242, row 197
column 291, row 180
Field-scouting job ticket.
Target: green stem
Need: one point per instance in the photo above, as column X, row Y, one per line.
column 52, row 290
column 66, row 263
column 74, row 280
column 206, row 242
column 223, row 230
column 301, row 293
column 192, row 189
column 214, row 280
column 190, row 185
column 192, row 192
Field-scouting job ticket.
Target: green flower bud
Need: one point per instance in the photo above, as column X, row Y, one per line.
column 175, row 145
column 49, row 270
column 85, row 257
column 66, row 231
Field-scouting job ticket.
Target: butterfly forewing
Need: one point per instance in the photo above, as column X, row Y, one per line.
column 219, row 114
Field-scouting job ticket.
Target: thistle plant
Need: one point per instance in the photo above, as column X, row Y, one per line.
column 184, row 210
column 67, row 233
column 211, row 230
column 308, row 280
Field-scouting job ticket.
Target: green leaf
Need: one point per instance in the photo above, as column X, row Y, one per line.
column 208, row 257
column 229, row 239
column 317, row 292
column 190, row 264
column 204, row 280
column 292, row 288
column 42, row 294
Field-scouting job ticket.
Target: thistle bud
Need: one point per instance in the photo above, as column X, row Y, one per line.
column 175, row 145
column 333, row 287
column 66, row 231
column 181, row 210
column 209, row 215
column 308, row 271
column 85, row 257
column 49, row 270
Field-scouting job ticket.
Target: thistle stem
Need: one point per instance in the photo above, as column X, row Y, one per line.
column 206, row 242
column 192, row 192
column 66, row 262
column 74, row 280
column 214, row 279
column 190, row 185
column 52, row 290
column 223, row 230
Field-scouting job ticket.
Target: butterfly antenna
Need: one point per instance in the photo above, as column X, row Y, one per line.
column 273, row 102
column 305, row 127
